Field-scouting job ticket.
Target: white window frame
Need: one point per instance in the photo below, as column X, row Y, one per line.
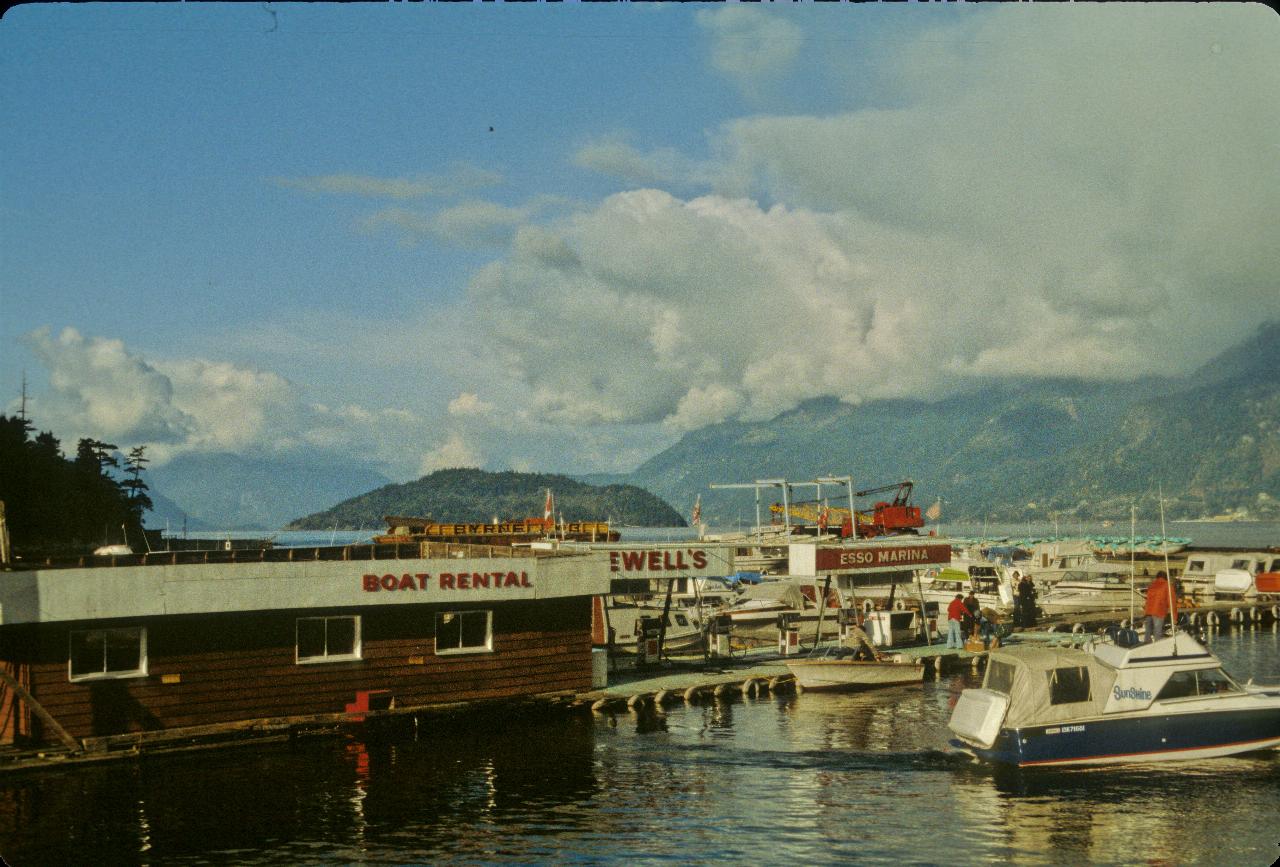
column 487, row 647
column 356, row 646
column 140, row 671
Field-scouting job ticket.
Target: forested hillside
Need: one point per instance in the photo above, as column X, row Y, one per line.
column 476, row 495
column 1018, row 450
column 57, row 506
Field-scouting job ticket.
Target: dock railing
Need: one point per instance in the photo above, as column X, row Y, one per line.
column 408, row 551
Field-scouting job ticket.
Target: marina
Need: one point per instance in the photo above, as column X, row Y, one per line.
column 817, row 777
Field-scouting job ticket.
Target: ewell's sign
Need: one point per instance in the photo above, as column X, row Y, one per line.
column 875, row 557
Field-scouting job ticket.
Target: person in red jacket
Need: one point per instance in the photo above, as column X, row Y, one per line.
column 956, row 614
column 1159, row 595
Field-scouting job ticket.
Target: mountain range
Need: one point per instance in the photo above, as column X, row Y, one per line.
column 225, row 491
column 1210, row 442
column 1013, row 451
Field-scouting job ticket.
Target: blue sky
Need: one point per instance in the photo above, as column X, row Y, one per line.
column 559, row 237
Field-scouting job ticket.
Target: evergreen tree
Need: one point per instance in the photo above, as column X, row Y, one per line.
column 139, row 502
column 55, row 506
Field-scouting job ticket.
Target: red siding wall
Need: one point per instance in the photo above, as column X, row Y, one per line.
column 241, row 666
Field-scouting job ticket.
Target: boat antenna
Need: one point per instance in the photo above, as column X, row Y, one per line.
column 1168, row 579
column 1133, row 531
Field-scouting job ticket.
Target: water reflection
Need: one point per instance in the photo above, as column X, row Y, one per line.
column 819, row 778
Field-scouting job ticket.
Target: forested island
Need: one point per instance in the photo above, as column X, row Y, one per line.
column 470, row 495
column 59, row 506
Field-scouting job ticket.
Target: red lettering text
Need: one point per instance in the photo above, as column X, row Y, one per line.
column 370, row 583
column 699, row 559
column 446, row 580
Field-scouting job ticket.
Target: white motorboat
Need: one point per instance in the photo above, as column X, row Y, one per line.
column 992, row 588
column 836, row 668
column 683, row 633
column 1114, row 701
column 1098, row 588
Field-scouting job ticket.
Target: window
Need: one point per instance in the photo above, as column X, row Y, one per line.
column 328, row 639
column 464, row 631
column 999, row 677
column 1195, row 566
column 1068, row 685
column 1182, row 684
column 99, row 654
column 1241, row 564
column 1179, row 685
column 1215, row 680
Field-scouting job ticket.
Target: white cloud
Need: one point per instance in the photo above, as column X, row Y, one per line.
column 1085, row 193
column 452, row 453
column 460, row 177
column 99, row 388
column 614, row 156
column 469, row 224
column 751, row 42
column 468, row 404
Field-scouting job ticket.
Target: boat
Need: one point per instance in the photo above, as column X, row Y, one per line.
column 627, row 624
column 404, row 530
column 839, row 667
column 992, row 587
column 1096, row 588
column 1052, row 559
column 1112, row 701
column 756, row 613
column 1200, row 575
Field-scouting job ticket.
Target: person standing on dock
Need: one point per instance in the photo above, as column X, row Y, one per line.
column 956, row 614
column 1024, row 609
column 1158, row 605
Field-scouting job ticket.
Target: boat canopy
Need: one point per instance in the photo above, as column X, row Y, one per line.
column 773, row 591
column 1046, row 685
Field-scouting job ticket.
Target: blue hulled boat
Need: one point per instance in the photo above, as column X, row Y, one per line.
column 1111, row 703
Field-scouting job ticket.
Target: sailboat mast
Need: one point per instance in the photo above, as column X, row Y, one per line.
column 1168, row 579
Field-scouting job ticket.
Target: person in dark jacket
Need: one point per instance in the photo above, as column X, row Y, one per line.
column 1025, row 606
column 971, row 622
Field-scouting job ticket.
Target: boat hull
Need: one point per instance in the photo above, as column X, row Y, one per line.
column 850, row 674
column 1152, row 738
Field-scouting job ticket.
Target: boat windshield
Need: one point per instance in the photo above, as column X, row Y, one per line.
column 999, row 677
column 1211, row 681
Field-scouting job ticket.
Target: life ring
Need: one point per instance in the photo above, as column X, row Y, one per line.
column 1077, row 629
column 899, row 605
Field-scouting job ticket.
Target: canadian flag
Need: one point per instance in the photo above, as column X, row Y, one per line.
column 824, row 516
column 697, row 511
column 549, row 509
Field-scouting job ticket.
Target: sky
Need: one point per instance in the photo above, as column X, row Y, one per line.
column 559, row 237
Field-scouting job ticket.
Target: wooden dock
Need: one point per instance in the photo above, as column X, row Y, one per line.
column 763, row 671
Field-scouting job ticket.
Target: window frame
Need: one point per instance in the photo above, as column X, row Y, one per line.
column 121, row 674
column 1059, row 687
column 462, row 649
column 357, row 647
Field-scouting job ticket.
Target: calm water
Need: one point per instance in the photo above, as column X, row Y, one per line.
column 813, row 778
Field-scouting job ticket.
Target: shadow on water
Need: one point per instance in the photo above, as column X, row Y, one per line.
column 274, row 803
